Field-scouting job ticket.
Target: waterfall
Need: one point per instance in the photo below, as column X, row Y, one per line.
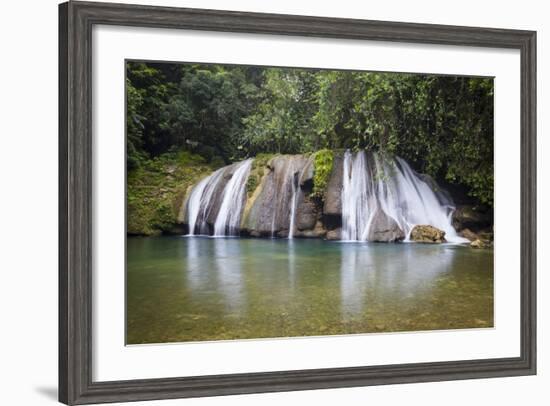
column 356, row 197
column 375, row 185
column 217, row 201
column 293, row 203
column 194, row 204
column 229, row 215
column 198, row 204
column 381, row 198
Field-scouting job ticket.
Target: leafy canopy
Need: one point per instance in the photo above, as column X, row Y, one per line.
column 443, row 125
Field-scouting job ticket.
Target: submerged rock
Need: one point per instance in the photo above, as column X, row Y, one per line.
column 384, row 229
column 480, row 244
column 427, row 234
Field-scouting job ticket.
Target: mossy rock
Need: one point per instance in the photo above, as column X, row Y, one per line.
column 479, row 243
column 427, row 234
column 259, row 166
column 252, row 183
column 156, row 191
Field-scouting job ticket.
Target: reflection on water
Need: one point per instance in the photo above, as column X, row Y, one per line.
column 379, row 274
column 229, row 272
column 196, row 288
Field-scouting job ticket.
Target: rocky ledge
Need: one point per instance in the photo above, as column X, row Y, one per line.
column 310, row 186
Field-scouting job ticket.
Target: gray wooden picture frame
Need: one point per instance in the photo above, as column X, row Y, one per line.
column 76, row 20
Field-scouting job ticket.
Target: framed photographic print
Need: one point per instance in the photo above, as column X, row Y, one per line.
column 257, row 202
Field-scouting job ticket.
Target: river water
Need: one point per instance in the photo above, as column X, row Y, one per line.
column 198, row 288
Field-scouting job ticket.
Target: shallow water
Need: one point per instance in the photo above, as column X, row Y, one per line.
column 197, row 288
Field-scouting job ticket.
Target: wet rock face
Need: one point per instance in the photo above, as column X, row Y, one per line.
column 334, row 235
column 281, row 202
column 306, row 215
column 427, row 234
column 318, row 231
column 483, row 239
column 333, row 192
column 217, row 196
column 469, row 234
column 384, row 229
column 471, row 217
column 269, row 214
column 306, row 177
column 442, row 195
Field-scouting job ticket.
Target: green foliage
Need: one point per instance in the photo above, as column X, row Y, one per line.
column 134, row 125
column 322, row 160
column 442, row 125
column 148, row 91
column 198, row 108
column 207, row 110
column 280, row 121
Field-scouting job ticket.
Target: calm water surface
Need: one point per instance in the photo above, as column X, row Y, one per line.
column 196, row 288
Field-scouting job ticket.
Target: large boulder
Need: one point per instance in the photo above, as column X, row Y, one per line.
column 267, row 212
column 427, row 234
column 383, row 228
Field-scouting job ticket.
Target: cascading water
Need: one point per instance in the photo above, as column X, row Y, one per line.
column 202, row 207
column 381, row 197
column 293, row 203
column 194, row 204
column 229, row 215
column 388, row 185
column 198, row 207
column 286, row 173
column 356, row 197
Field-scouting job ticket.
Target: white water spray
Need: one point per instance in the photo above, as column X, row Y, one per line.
column 200, row 202
column 229, row 215
column 194, row 204
column 374, row 183
column 293, row 203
